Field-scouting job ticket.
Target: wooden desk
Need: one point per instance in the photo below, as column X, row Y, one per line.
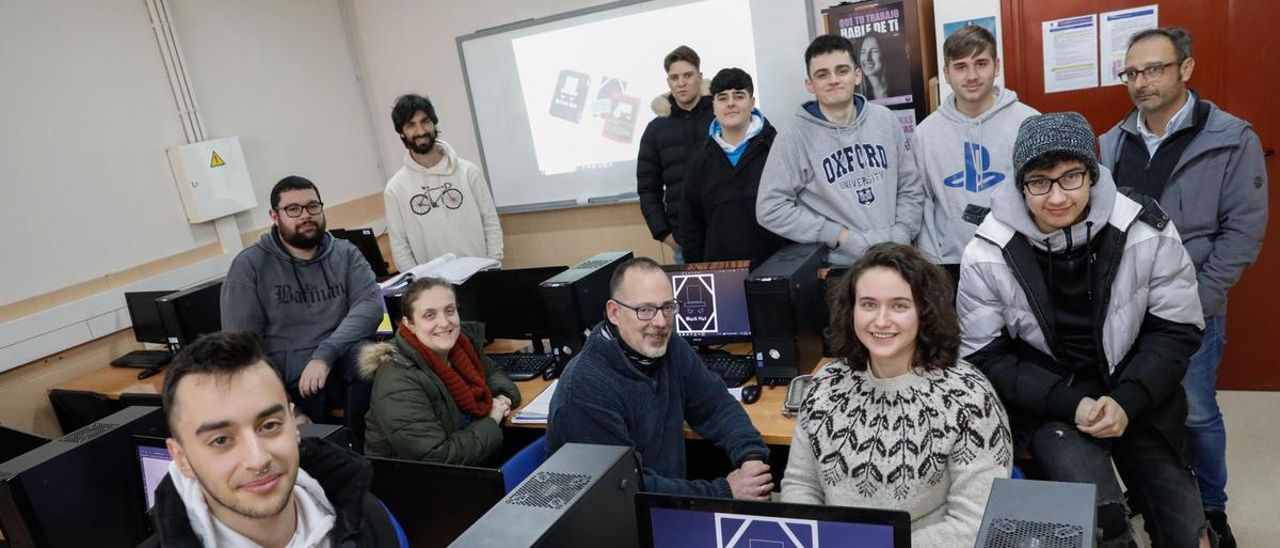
column 765, row 414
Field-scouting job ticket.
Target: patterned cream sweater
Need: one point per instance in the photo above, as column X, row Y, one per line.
column 928, row 442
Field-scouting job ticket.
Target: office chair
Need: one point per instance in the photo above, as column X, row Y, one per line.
column 520, row 465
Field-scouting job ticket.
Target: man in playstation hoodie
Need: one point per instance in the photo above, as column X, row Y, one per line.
column 844, row 174
column 964, row 151
column 311, row 297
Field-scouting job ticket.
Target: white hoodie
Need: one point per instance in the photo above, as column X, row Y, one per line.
column 432, row 228
column 962, row 160
column 315, row 514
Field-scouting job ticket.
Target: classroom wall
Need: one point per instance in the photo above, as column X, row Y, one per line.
column 244, row 89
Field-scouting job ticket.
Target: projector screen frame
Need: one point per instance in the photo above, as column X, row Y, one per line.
column 630, row 196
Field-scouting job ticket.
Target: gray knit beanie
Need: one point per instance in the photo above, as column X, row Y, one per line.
column 1066, row 132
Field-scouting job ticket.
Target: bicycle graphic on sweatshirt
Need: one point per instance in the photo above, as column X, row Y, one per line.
column 421, row 204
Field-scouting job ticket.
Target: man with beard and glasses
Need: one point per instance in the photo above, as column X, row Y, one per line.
column 241, row 476
column 313, row 300
column 437, row 203
column 635, row 385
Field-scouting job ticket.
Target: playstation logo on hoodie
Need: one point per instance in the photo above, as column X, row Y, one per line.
column 974, row 177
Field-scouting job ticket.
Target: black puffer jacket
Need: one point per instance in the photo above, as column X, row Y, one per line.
column 361, row 520
column 718, row 214
column 664, row 149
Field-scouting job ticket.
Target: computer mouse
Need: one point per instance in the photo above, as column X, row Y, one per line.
column 551, row 372
column 148, row 372
column 751, row 394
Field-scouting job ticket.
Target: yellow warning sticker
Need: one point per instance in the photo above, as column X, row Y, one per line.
column 216, row 161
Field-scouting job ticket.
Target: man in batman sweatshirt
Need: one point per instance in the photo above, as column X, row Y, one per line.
column 843, row 174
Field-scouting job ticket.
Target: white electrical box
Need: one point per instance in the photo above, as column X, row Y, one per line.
column 212, row 179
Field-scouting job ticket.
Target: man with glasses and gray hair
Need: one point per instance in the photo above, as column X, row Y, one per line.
column 1206, row 169
column 635, row 385
column 1078, row 303
column 312, row 298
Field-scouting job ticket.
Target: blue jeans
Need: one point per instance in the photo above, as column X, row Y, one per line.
column 1208, row 434
column 1161, row 487
column 344, row 387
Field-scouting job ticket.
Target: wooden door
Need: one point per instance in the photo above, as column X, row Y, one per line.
column 1237, row 69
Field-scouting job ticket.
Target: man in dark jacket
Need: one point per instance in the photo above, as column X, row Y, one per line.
column 313, row 300
column 718, row 209
column 240, row 475
column 683, row 117
column 635, row 385
column 1206, row 168
column 1079, row 304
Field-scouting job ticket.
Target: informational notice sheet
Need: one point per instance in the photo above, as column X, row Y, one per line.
column 1116, row 27
column 1070, row 53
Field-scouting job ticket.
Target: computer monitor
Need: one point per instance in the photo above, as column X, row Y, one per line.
column 145, row 316
column 192, row 312
column 80, row 489
column 713, row 301
column 367, row 242
column 508, row 302
column 435, row 503
column 583, row 495
column 668, row 521
column 153, row 463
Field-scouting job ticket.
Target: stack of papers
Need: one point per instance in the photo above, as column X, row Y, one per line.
column 538, row 409
column 449, row 267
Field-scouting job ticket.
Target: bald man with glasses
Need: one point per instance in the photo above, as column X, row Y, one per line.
column 635, row 385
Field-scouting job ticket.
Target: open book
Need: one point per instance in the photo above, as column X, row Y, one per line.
column 449, row 267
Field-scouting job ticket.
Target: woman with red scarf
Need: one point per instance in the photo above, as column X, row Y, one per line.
column 436, row 398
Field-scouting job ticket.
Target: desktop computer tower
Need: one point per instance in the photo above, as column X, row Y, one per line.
column 1023, row 512
column 80, row 489
column 583, row 495
column 785, row 303
column 575, row 301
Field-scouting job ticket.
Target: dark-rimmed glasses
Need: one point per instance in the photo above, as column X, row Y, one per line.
column 1150, row 72
column 647, row 312
column 295, row 210
column 1042, row 185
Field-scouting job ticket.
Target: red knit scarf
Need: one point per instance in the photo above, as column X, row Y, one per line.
column 465, row 379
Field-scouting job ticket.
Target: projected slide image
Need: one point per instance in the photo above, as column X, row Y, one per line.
column 598, row 95
column 697, row 296
column 570, row 97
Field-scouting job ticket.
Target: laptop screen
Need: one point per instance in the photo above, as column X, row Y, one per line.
column 713, row 301
column 153, row 459
column 669, row 522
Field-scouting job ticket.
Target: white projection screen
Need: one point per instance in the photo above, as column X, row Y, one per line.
column 559, row 103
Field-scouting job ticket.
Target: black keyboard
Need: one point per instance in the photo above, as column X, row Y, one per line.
column 143, row 358
column 522, row 367
column 735, row 370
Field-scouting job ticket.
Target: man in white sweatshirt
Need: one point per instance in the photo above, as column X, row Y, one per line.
column 437, row 203
column 964, row 150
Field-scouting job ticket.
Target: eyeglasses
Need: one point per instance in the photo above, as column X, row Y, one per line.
column 1042, row 185
column 1151, row 72
column 295, row 210
column 647, row 312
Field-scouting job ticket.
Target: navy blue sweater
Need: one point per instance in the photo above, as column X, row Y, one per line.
column 603, row 399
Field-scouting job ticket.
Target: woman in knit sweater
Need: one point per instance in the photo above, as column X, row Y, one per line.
column 436, row 398
column 899, row 421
